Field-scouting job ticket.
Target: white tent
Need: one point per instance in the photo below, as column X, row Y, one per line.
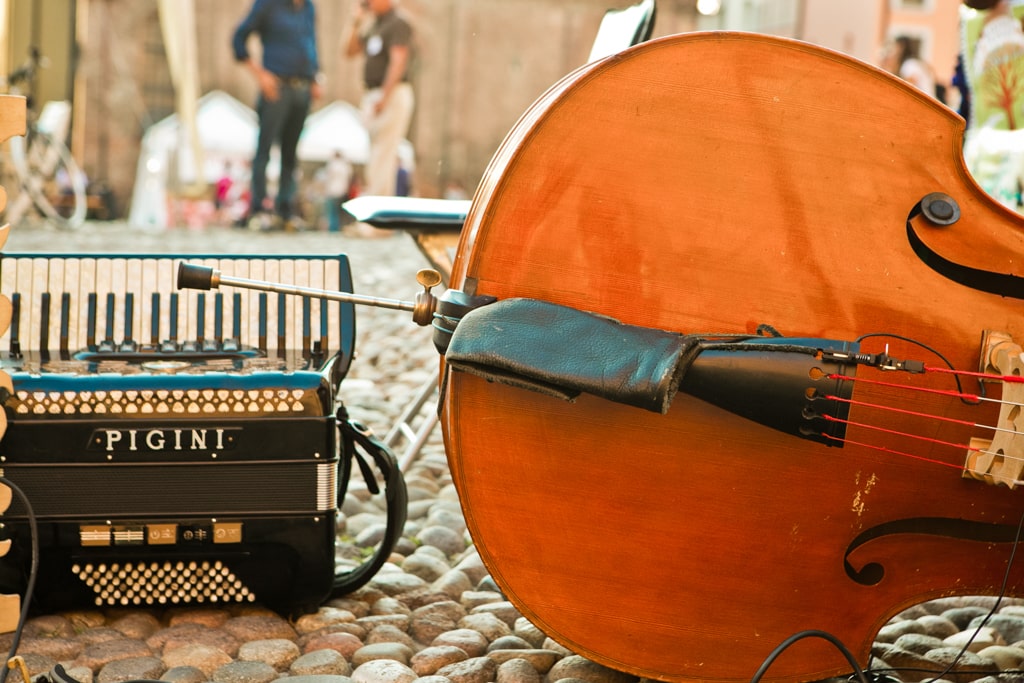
column 338, row 126
column 227, row 133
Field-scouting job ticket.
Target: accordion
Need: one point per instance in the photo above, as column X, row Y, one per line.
column 173, row 447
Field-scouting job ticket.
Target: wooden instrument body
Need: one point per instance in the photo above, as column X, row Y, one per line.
column 711, row 183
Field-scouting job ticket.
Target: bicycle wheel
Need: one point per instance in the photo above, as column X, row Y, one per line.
column 51, row 177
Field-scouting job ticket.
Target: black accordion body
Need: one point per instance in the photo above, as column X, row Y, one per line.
column 174, row 447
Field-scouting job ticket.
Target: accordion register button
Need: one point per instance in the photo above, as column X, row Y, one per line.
column 161, row 534
column 227, row 532
column 94, row 534
column 128, row 535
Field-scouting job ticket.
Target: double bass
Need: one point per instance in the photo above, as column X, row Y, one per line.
column 750, row 190
column 840, row 438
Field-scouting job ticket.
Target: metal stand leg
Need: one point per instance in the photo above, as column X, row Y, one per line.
column 404, row 426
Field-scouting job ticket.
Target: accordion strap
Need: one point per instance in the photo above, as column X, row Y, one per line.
column 355, row 438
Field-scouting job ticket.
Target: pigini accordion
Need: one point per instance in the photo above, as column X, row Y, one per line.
column 174, row 447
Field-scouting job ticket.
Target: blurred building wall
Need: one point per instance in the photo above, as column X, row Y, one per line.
column 480, row 63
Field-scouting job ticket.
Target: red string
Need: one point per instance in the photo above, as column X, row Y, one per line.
column 895, row 452
column 920, row 437
column 904, row 411
column 942, row 392
column 1017, row 379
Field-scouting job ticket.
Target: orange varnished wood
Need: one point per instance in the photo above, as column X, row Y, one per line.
column 711, row 183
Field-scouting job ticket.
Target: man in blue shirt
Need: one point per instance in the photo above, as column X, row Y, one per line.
column 289, row 81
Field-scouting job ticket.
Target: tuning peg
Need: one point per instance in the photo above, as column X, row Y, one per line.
column 428, row 277
column 426, row 302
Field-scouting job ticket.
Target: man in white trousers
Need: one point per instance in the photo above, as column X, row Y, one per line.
column 385, row 38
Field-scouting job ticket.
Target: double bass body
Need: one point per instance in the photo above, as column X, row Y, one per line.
column 712, row 184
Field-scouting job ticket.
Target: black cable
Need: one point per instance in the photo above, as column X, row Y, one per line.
column 974, row 673
column 33, row 572
column 860, row 673
column 813, row 633
column 59, row 675
column 956, row 378
column 991, row 612
column 355, row 436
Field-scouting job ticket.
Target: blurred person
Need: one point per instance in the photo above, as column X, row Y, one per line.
column 385, row 38
column 963, row 104
column 289, row 81
column 222, row 191
column 403, row 181
column 903, row 60
column 455, row 190
column 337, row 187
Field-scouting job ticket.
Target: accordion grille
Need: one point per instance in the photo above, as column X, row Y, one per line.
column 166, row 402
column 162, row 583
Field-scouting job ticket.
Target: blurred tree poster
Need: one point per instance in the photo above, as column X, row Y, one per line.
column 993, row 59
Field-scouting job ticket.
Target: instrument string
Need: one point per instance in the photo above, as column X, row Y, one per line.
column 916, row 436
column 915, row 413
column 940, row 442
column 1013, row 379
column 929, row 416
column 893, row 451
column 927, row 390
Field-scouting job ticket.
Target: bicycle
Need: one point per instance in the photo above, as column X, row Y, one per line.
column 49, row 178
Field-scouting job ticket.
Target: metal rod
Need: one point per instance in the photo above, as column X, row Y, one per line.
column 379, row 302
